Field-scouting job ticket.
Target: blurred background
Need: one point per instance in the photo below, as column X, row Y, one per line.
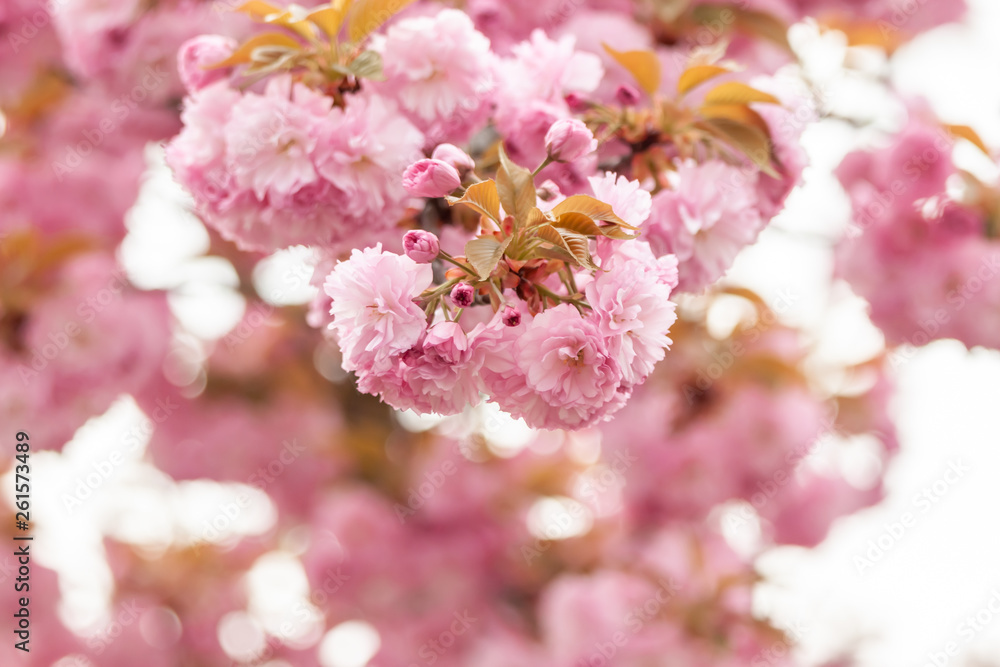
column 884, row 593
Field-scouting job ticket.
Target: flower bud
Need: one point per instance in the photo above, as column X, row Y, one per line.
column 199, row 53
column 549, row 191
column 420, row 246
column 627, row 95
column 431, row 178
column 569, row 139
column 454, row 156
column 576, row 102
column 462, row 295
column 511, row 316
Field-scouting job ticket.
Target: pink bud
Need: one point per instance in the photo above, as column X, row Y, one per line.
column 431, row 178
column 421, row 246
column 454, row 156
column 511, row 316
column 549, row 191
column 576, row 102
column 569, row 139
column 462, row 295
column 199, row 53
column 627, row 95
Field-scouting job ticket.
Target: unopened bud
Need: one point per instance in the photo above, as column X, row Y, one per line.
column 569, row 139
column 462, row 295
column 421, row 246
column 431, row 178
column 454, row 156
column 627, row 95
column 576, row 102
column 196, row 57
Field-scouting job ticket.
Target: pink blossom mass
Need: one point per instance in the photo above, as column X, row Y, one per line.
column 535, row 333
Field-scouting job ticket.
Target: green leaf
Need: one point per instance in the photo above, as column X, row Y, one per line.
column 575, row 247
column 258, row 9
column 764, row 25
column 734, row 92
column 697, row 75
column 265, row 12
column 749, row 140
column 738, row 113
column 368, row 65
column 590, row 207
column 579, row 223
column 579, row 246
column 330, row 18
column 970, row 135
column 516, row 187
column 484, row 254
column 481, row 197
column 368, row 15
column 535, row 217
column 644, row 66
column 268, row 40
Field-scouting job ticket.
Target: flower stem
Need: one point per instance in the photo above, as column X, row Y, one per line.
column 546, row 162
column 448, row 258
column 441, row 290
column 549, row 294
column 571, row 280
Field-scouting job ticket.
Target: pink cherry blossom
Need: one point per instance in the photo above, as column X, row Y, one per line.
column 196, row 56
column 705, row 221
column 566, row 361
column 438, row 374
column 270, row 139
column 597, row 532
column 569, row 139
column 374, row 316
column 462, row 295
column 446, row 89
column 627, row 198
column 431, row 178
column 533, row 85
column 511, row 316
column 454, row 156
column 631, row 301
column 288, row 169
column 363, row 151
column 421, row 246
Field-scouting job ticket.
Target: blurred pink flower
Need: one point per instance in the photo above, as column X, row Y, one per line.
column 431, row 178
column 705, row 221
column 198, row 54
column 569, row 139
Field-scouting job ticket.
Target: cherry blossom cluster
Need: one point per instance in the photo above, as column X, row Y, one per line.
column 923, row 254
column 568, row 366
column 276, row 154
column 520, row 214
column 304, row 139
